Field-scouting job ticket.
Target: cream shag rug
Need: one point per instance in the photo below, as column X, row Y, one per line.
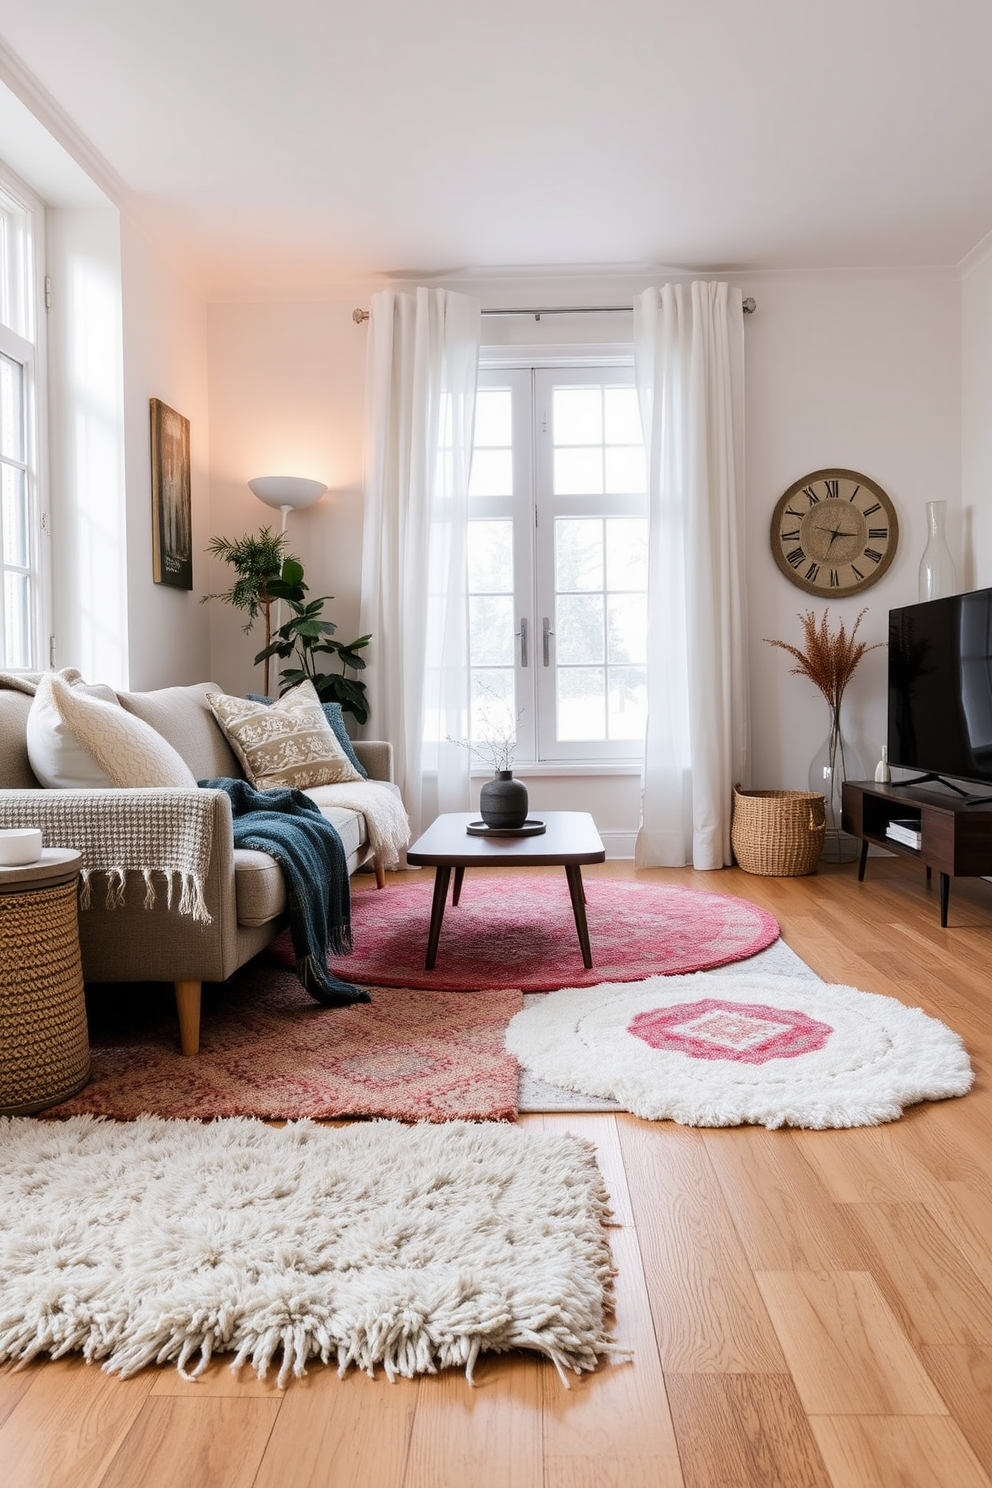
column 768, row 1050
column 413, row 1248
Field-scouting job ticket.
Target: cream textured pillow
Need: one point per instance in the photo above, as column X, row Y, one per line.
column 76, row 740
column 285, row 743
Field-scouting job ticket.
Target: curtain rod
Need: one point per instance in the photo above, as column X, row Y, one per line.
column 750, row 305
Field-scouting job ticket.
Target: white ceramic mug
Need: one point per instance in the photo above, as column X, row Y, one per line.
column 19, row 846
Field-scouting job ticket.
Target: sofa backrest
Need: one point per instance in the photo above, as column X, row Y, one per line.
column 15, row 769
column 182, row 716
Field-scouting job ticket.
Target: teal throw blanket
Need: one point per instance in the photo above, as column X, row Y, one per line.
column 288, row 826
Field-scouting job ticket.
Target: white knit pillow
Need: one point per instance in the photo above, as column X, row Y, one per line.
column 78, row 741
column 285, row 743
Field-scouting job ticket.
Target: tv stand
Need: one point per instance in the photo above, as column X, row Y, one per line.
column 955, row 835
column 968, row 799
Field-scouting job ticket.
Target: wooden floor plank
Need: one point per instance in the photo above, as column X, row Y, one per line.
column 334, row 1433
column 897, row 1452
column 709, row 1316
column 784, row 1216
column 846, row 1351
column 215, row 1442
column 924, row 1277
column 964, row 1378
column 67, row 1428
column 489, row 1436
column 745, row 1430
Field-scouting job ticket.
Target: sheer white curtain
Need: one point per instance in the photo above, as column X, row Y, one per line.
column 422, row 373
column 689, row 366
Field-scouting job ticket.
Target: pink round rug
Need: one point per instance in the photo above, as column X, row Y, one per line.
column 517, row 931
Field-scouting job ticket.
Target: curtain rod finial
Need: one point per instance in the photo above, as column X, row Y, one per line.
column 358, row 316
column 750, row 304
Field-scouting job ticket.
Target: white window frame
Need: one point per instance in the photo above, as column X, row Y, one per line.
column 23, row 339
column 533, row 509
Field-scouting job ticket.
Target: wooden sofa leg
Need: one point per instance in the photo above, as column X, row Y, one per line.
column 380, row 874
column 188, row 1008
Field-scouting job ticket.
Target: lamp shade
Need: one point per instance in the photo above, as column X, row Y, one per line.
column 287, row 490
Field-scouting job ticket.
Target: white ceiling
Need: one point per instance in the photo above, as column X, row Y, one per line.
column 296, row 146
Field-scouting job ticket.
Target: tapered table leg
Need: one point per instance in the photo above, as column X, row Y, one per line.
column 945, row 893
column 456, row 890
column 442, row 877
column 574, row 875
column 864, row 859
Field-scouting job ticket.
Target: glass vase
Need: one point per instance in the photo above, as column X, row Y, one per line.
column 835, row 761
column 936, row 565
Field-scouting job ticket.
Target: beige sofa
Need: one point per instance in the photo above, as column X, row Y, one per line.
column 151, row 935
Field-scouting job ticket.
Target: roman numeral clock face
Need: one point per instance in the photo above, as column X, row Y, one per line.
column 834, row 532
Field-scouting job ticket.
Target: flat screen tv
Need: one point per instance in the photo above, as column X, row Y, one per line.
column 940, row 688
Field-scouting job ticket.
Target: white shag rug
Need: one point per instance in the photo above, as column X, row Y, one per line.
column 413, row 1248
column 766, row 1050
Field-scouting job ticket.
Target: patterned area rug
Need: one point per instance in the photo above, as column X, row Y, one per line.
column 742, row 1048
column 267, row 1049
column 515, row 930
column 410, row 1248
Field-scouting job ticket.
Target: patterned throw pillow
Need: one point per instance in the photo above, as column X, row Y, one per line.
column 288, row 742
column 78, row 740
column 335, row 717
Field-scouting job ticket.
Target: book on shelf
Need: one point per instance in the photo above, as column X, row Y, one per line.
column 905, row 831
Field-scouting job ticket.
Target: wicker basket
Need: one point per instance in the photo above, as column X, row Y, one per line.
column 777, row 832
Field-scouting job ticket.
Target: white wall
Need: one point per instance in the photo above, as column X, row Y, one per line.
column 863, row 372
column 164, row 356
column 976, row 422
column 89, row 560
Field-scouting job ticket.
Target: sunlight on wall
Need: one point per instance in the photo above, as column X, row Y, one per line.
column 88, row 448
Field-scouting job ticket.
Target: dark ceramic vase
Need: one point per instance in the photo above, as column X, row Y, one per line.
column 503, row 801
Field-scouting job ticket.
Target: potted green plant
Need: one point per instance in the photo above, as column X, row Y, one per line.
column 257, row 559
column 308, row 638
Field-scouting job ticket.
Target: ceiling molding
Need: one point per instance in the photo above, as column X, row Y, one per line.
column 977, row 257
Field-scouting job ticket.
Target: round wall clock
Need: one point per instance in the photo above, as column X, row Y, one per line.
column 834, row 532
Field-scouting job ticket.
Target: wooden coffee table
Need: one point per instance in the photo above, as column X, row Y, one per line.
column 571, row 839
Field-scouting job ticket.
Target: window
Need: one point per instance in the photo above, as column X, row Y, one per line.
column 558, row 563
column 20, row 443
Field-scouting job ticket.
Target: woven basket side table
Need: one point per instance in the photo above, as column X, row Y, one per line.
column 44, row 1043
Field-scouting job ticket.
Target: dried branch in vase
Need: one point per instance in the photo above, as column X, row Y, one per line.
column 830, row 658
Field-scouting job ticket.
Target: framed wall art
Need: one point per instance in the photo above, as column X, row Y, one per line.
column 172, row 513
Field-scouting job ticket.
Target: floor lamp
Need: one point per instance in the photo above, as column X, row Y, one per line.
column 286, row 493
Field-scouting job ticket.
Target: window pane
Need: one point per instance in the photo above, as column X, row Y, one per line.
column 578, row 553
column 578, row 416
column 578, row 472
column 628, row 620
column 628, row 703
column 13, row 516
column 626, row 470
column 493, row 708
column 626, row 553
column 581, row 703
column 493, row 416
column 17, row 621
column 492, row 473
column 491, row 629
column 11, row 408
column 490, row 557
column 579, row 629
column 623, row 416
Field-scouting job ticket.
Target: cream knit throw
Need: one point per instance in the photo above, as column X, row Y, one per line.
column 126, row 831
column 385, row 816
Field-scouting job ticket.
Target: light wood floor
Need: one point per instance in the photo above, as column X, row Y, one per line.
column 806, row 1308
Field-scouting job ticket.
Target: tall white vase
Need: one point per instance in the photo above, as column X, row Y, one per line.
column 936, row 565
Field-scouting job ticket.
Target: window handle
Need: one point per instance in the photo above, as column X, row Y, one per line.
column 522, row 633
column 546, row 634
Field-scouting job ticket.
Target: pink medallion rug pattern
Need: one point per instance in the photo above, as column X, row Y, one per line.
column 267, row 1049
column 516, row 930
column 748, row 1032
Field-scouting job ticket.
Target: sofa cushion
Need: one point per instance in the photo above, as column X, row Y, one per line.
column 15, row 767
column 259, row 887
column 76, row 738
column 182, row 716
column 335, row 717
column 286, row 743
